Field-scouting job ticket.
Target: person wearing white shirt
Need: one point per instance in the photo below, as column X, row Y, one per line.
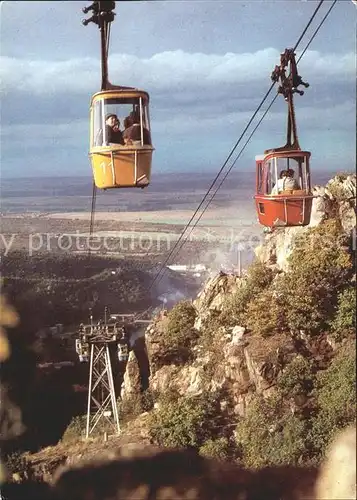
column 286, row 182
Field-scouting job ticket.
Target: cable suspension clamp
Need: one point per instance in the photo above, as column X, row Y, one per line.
column 288, row 84
column 102, row 13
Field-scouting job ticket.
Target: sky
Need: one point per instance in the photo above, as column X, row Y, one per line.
column 206, row 66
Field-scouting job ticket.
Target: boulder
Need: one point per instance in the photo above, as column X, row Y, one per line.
column 213, row 296
column 337, row 478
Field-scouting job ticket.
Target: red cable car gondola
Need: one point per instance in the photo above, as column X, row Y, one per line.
column 283, row 184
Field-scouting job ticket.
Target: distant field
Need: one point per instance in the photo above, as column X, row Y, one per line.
column 53, row 215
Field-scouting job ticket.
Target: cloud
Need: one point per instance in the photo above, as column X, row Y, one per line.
column 35, row 135
column 195, row 84
column 197, row 125
column 196, row 99
column 165, row 71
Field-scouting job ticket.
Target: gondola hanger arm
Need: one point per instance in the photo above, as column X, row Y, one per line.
column 103, row 15
column 289, row 86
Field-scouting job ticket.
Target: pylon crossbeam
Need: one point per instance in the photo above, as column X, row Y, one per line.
column 101, row 380
column 100, row 404
column 97, row 356
column 101, row 413
column 103, row 406
column 97, row 404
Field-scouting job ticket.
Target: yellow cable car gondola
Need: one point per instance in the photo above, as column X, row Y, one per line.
column 120, row 137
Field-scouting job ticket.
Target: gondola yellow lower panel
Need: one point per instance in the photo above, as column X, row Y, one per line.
column 121, row 168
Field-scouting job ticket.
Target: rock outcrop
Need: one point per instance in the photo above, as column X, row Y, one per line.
column 337, row 478
column 335, row 200
column 237, row 363
column 156, row 474
column 236, row 360
column 213, row 296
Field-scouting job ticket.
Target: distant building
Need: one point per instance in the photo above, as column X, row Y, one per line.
column 59, row 327
column 179, row 268
column 191, row 269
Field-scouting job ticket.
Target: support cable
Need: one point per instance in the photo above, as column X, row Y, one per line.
column 226, row 175
column 106, row 29
column 163, row 266
column 250, row 136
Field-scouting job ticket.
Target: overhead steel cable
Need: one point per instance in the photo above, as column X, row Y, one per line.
column 226, row 175
column 308, row 25
column 106, row 28
column 163, row 266
column 254, row 130
column 317, row 30
column 218, row 174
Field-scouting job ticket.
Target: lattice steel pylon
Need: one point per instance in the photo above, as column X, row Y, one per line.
column 101, row 390
column 94, row 345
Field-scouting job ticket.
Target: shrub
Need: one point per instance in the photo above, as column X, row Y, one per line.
column 319, row 268
column 265, row 315
column 15, row 462
column 344, row 322
column 258, row 279
column 222, row 449
column 76, row 429
column 178, row 337
column 305, row 297
column 233, row 309
column 185, row 421
column 336, row 399
column 270, row 434
column 134, row 405
column 296, row 378
column 181, row 319
column 130, row 407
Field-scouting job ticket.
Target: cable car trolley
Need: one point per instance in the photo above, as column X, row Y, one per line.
column 120, row 139
column 283, row 184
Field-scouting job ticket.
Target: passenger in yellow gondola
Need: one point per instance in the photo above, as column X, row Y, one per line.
column 127, row 123
column 286, row 182
column 132, row 132
column 113, row 132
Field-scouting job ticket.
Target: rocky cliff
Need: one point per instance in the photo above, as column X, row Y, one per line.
column 273, row 345
column 237, row 358
column 258, row 369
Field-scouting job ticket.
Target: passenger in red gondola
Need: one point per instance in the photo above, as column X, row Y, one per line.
column 286, row 182
column 290, row 174
column 113, row 132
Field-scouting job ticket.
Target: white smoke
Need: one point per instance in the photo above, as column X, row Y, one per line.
column 226, row 259
column 171, row 297
column 172, row 287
